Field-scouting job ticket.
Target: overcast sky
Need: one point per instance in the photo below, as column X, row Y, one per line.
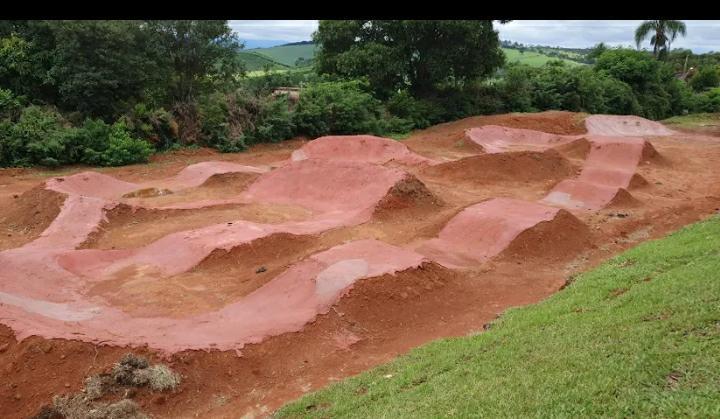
column 702, row 35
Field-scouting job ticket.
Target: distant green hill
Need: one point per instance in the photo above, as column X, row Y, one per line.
column 255, row 61
column 532, row 58
column 285, row 56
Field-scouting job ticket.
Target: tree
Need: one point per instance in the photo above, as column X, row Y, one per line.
column 101, row 67
column 597, row 51
column 663, row 33
column 201, row 55
column 707, row 77
column 398, row 54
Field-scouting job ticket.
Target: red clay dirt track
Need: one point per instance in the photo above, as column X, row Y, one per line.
column 263, row 275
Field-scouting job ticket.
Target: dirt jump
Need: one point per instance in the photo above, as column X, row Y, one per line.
column 263, row 275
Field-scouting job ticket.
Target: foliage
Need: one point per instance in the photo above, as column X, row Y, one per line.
column 557, row 86
column 157, row 126
column 338, row 108
column 707, row 77
column 199, row 54
column 399, row 54
column 122, row 149
column 662, row 34
column 42, row 136
column 101, row 67
column 37, row 138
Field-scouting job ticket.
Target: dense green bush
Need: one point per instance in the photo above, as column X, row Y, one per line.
column 122, row 149
column 155, row 125
column 37, row 138
column 274, row 122
column 707, row 77
column 42, row 136
column 232, row 122
column 338, row 108
column 558, row 86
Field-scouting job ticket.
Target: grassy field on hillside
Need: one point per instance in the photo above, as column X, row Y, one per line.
column 531, row 58
column 255, row 61
column 639, row 336
column 288, row 54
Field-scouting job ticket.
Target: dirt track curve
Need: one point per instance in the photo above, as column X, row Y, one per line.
column 267, row 274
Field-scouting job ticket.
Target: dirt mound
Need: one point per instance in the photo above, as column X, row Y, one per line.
column 499, row 139
column 24, row 218
column 365, row 148
column 625, row 125
column 448, row 141
column 576, row 149
column 199, row 173
column 325, row 185
column 91, row 184
column 147, row 193
column 223, row 277
column 561, row 238
column 623, row 199
column 637, row 182
column 406, row 196
column 239, row 180
column 517, row 166
column 484, row 230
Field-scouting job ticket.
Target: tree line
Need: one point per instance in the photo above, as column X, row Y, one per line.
column 114, row 92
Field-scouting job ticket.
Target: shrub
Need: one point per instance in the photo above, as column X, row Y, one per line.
column 155, row 125
column 122, row 149
column 274, row 122
column 408, row 112
column 707, row 77
column 222, row 127
column 344, row 107
column 10, row 105
column 36, row 139
column 85, row 144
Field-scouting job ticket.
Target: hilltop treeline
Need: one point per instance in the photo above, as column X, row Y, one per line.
column 114, row 92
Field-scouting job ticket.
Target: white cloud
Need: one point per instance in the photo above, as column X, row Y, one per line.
column 702, row 35
column 285, row 30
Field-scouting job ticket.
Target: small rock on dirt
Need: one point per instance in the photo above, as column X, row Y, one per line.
column 261, row 270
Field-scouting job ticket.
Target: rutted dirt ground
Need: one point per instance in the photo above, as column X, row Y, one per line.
column 381, row 316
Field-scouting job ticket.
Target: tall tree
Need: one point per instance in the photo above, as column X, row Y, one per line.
column 414, row 54
column 662, row 34
column 201, row 54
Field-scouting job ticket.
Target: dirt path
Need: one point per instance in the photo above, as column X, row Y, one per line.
column 352, row 258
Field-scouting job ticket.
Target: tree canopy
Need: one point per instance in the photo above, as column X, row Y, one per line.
column 662, row 33
column 398, row 54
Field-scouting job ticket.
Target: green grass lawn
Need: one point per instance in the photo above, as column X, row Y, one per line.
column 639, row 336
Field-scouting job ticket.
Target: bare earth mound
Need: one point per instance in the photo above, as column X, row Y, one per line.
column 261, row 276
column 484, row 230
column 358, row 148
column 517, row 166
column 25, row 217
column 624, row 125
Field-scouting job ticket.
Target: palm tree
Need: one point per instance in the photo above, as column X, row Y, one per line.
column 664, row 33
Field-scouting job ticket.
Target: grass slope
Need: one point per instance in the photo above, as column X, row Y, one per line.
column 638, row 336
column 255, row 62
column 532, row 58
column 288, row 54
column 695, row 120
